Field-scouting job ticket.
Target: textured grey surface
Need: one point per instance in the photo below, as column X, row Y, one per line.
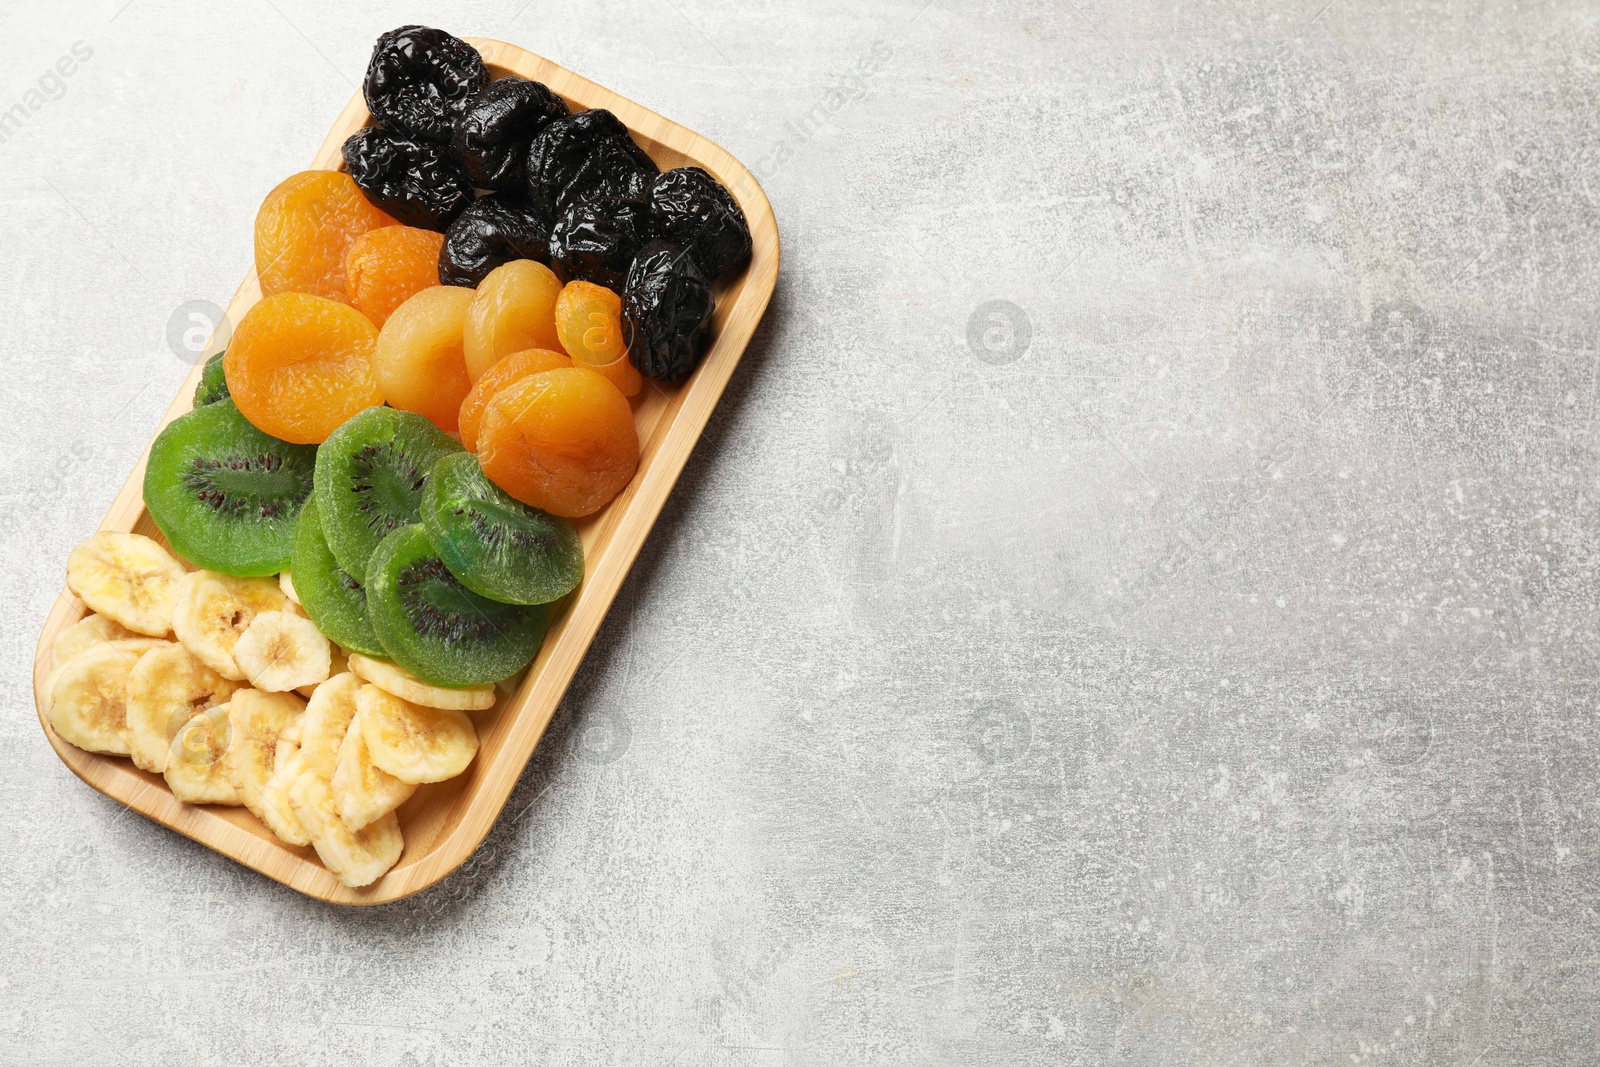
column 1209, row 682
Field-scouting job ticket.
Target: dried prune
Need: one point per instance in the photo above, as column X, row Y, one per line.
column 491, row 140
column 584, row 157
column 415, row 181
column 494, row 229
column 691, row 208
column 421, row 80
column 596, row 241
column 613, row 169
column 666, row 308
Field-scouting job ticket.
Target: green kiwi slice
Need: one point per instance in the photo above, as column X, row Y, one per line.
column 336, row 602
column 213, row 383
column 225, row 494
column 370, row 474
column 437, row 628
column 498, row 547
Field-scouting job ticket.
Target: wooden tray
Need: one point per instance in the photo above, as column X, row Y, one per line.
column 444, row 823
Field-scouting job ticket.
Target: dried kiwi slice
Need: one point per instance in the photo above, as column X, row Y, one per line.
column 226, row 494
column 370, row 474
column 213, row 383
column 437, row 628
column 498, row 547
column 336, row 602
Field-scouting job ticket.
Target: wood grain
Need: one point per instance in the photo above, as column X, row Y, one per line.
column 444, row 823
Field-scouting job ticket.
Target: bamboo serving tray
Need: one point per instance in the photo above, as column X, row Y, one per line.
column 444, row 823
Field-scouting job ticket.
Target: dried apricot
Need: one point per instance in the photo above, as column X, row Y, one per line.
column 515, row 309
column 419, row 364
column 561, row 440
column 589, row 323
column 300, row 365
column 388, row 266
column 512, row 368
column 304, row 230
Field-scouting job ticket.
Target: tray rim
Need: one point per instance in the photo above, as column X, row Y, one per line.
column 631, row 517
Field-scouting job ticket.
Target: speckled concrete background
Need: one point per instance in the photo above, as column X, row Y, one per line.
column 1135, row 604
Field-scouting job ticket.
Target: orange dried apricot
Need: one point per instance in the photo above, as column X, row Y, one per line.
column 304, row 230
column 562, row 440
column 419, row 364
column 514, row 310
column 300, row 365
column 503, row 373
column 388, row 266
column 589, row 323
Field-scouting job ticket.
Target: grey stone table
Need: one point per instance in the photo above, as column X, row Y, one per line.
column 1135, row 604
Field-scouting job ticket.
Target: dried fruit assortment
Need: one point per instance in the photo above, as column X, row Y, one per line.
column 506, row 173
column 233, row 696
column 373, row 496
column 572, row 190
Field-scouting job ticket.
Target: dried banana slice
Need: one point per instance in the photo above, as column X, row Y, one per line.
column 167, row 687
column 84, row 634
column 411, row 742
column 362, row 790
column 356, row 858
column 286, row 583
column 288, row 744
column 257, row 719
column 87, row 696
column 396, row 680
column 213, row 610
column 280, row 651
column 128, row 578
column 327, row 720
column 198, row 767
column 279, row 814
column 338, row 663
column 135, row 646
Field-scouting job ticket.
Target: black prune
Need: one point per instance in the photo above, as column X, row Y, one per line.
column 613, row 170
column 415, row 181
column 495, row 229
column 491, row 140
column 666, row 309
column 596, row 241
column 584, row 157
column 691, row 208
column 421, row 80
